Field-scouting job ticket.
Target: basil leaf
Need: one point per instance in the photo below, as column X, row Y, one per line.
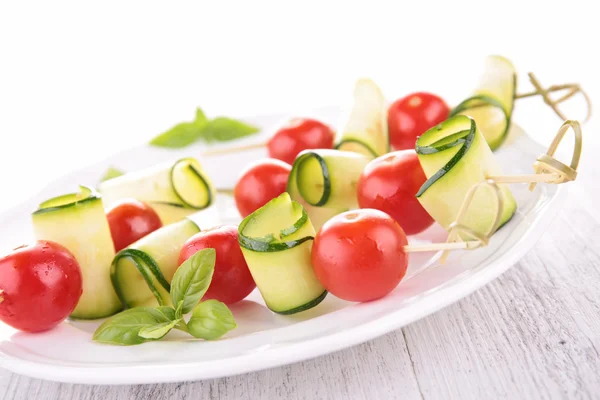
column 210, row 320
column 218, row 130
column 157, row 331
column 181, row 135
column 179, row 311
column 192, row 278
column 201, row 119
column 222, row 129
column 111, row 173
column 124, row 327
column 164, row 313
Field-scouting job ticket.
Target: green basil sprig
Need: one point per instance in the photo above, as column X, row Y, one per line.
column 210, row 319
column 219, row 129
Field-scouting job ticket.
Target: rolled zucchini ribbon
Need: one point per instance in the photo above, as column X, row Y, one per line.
column 173, row 190
column 455, row 156
column 325, row 181
column 141, row 273
column 78, row 222
column 366, row 131
column 492, row 104
column 276, row 241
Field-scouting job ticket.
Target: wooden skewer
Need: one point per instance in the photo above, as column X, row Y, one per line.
column 527, row 178
column 230, row 150
column 573, row 89
column 416, row 248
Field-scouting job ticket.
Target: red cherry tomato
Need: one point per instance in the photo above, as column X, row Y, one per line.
column 131, row 220
column 259, row 183
column 231, row 280
column 389, row 183
column 40, row 286
column 410, row 116
column 297, row 135
column 359, row 255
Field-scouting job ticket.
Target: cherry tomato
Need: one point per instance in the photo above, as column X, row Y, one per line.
column 389, row 183
column 297, row 135
column 231, row 280
column 359, row 255
column 40, row 286
column 131, row 220
column 410, row 116
column 259, row 183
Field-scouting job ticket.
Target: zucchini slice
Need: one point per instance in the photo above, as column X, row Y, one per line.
column 141, row 273
column 173, row 190
column 77, row 221
column 492, row 104
column 276, row 241
column 324, row 182
column 455, row 156
column 366, row 131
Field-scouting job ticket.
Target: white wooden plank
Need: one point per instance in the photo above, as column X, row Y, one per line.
column 533, row 333
column 378, row 369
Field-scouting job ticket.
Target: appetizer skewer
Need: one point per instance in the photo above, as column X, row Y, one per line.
column 547, row 170
column 365, row 132
column 492, row 104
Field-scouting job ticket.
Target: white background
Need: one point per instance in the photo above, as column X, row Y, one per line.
column 81, row 80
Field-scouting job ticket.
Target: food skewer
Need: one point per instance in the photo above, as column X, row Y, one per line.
column 548, row 170
column 365, row 131
column 491, row 106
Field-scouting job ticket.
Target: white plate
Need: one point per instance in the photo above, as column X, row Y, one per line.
column 264, row 339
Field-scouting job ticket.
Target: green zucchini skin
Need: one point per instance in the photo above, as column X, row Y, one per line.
column 141, row 273
column 347, row 143
column 276, row 241
column 455, row 156
column 175, row 190
column 306, row 306
column 78, row 222
column 324, row 182
column 499, row 95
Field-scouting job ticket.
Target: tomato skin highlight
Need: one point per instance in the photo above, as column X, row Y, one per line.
column 131, row 220
column 260, row 182
column 389, row 183
column 359, row 255
column 232, row 280
column 40, row 286
column 297, row 135
column 412, row 115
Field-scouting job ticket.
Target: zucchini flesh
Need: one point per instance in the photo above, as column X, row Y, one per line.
column 324, row 182
column 455, row 156
column 77, row 221
column 276, row 241
column 141, row 273
column 173, row 190
column 492, row 104
column 366, row 131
